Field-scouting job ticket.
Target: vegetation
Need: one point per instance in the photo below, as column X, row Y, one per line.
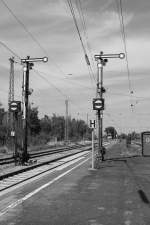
column 111, row 131
column 47, row 128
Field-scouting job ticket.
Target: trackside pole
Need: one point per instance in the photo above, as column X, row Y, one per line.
column 92, row 148
column 92, row 126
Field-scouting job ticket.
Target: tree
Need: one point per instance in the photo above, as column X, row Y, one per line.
column 135, row 135
column 111, row 131
column 34, row 122
column 3, row 134
column 58, row 127
column 78, row 129
column 46, row 125
column 3, row 126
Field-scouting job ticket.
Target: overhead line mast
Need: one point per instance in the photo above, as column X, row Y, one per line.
column 11, row 81
column 11, row 88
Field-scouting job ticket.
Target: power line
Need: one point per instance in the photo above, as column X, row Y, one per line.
column 68, row 80
column 31, row 35
column 9, row 49
column 38, row 73
column 60, row 92
column 80, row 38
column 121, row 18
column 81, row 15
column 76, row 25
column 28, row 32
column 50, row 83
column 122, row 27
column 38, row 43
column 82, row 18
column 139, row 98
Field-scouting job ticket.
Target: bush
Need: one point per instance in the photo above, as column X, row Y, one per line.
column 40, row 139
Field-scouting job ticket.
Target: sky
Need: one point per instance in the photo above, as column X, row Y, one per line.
column 39, row 28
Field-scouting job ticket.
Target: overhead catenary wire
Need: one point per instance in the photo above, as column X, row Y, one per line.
column 76, row 25
column 31, row 36
column 37, row 72
column 9, row 49
column 139, row 98
column 80, row 38
column 122, row 27
column 79, row 84
column 50, row 83
column 84, row 27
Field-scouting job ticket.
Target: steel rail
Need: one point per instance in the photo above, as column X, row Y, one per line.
column 8, row 160
column 4, row 178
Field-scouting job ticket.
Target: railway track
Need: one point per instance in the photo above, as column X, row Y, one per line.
column 9, row 160
column 19, row 176
column 57, row 157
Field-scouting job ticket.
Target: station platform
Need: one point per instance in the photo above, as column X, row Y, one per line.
column 117, row 193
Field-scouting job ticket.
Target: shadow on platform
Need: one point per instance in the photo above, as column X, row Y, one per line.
column 123, row 158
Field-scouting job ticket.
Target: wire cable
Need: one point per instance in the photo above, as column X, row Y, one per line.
column 50, row 83
column 38, row 43
column 82, row 18
column 60, row 92
column 80, row 38
column 9, row 49
column 122, row 27
column 31, row 35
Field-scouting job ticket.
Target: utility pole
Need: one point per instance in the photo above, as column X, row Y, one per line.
column 92, row 126
column 11, row 82
column 28, row 63
column 14, row 108
column 66, row 123
column 87, row 122
column 98, row 103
